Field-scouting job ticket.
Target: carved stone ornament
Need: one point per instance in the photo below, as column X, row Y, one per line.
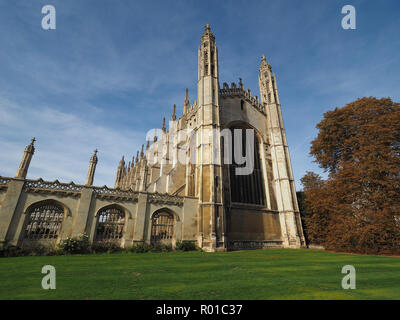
column 53, row 187
column 163, row 198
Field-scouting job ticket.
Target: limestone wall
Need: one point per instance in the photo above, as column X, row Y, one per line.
column 2, row 195
column 81, row 206
column 251, row 226
column 231, row 111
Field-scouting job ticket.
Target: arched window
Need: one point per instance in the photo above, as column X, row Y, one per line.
column 162, row 226
column 110, row 224
column 44, row 221
column 247, row 188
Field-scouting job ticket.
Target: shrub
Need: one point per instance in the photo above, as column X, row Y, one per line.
column 160, row 247
column 40, row 249
column 186, row 246
column 75, row 245
column 30, row 249
column 144, row 247
column 11, row 251
column 139, row 248
column 106, row 247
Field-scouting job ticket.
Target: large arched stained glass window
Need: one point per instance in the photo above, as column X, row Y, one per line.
column 247, row 188
column 110, row 224
column 44, row 221
column 162, row 226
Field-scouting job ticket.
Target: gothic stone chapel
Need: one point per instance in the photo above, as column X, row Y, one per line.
column 166, row 201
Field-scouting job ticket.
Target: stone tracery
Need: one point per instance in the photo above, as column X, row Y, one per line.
column 44, row 221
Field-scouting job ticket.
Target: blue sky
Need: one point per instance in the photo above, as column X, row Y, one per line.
column 112, row 69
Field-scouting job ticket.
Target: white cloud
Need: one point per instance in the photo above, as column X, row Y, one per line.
column 64, row 144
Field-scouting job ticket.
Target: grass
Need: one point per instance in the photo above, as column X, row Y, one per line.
column 258, row 274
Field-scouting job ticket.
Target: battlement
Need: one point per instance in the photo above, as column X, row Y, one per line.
column 238, row 91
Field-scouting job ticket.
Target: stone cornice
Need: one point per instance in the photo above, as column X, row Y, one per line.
column 53, row 187
column 105, row 192
column 164, row 198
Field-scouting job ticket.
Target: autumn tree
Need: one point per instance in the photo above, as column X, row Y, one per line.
column 310, row 202
column 358, row 207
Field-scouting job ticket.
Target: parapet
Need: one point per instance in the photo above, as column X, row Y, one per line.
column 238, row 91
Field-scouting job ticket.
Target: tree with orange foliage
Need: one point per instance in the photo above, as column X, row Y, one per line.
column 357, row 208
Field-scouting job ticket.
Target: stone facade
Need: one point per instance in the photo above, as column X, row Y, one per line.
column 180, row 186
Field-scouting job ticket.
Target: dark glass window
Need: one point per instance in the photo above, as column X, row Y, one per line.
column 44, row 222
column 162, row 226
column 110, row 224
column 247, row 188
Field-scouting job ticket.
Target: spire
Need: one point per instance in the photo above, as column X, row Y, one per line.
column 120, row 173
column 207, row 32
column 186, row 102
column 163, row 125
column 264, row 63
column 121, row 166
column 137, row 157
column 142, row 151
column 208, row 101
column 93, row 158
column 92, row 169
column 207, row 84
column 173, row 117
column 31, row 146
column 266, row 81
column 26, row 160
column 240, row 83
column 148, row 144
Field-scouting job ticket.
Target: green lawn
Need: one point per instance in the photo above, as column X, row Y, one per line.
column 258, row 274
